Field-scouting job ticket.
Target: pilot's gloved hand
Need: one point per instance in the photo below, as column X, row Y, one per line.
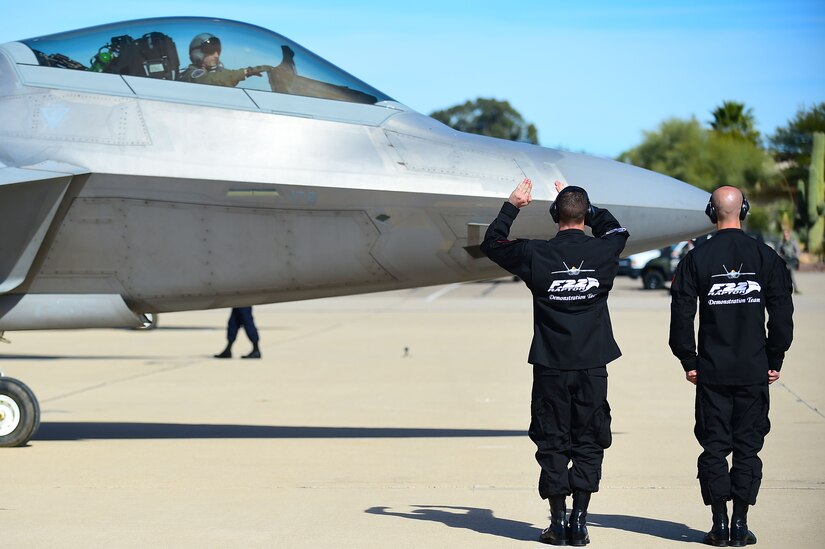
column 256, row 71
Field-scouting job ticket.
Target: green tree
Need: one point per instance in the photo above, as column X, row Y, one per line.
column 791, row 145
column 734, row 120
column 759, row 220
column 815, row 195
column 741, row 163
column 685, row 150
column 675, row 149
column 489, row 117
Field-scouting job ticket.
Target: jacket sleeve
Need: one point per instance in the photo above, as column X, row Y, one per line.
column 779, row 305
column 512, row 255
column 605, row 226
column 228, row 78
column 683, row 296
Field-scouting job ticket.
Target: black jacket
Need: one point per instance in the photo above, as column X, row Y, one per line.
column 736, row 279
column 570, row 276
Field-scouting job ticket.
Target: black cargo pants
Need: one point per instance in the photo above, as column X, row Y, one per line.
column 570, row 422
column 241, row 316
column 731, row 418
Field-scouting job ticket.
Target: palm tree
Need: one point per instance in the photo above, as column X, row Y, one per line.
column 734, row 120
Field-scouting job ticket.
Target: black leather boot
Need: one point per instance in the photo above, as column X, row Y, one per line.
column 226, row 353
column 578, row 519
column 719, row 532
column 255, row 353
column 740, row 536
column 557, row 532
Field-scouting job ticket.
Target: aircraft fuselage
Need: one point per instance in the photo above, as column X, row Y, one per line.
column 152, row 195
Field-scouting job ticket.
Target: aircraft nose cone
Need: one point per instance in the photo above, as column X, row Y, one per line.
column 662, row 206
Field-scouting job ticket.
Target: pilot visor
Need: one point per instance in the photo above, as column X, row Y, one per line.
column 211, row 45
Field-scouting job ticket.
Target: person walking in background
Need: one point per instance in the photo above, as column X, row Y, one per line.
column 736, row 279
column 789, row 251
column 241, row 316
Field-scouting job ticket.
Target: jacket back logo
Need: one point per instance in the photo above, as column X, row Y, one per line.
column 735, row 288
column 574, row 284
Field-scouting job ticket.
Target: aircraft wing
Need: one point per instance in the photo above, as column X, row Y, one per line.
column 29, row 201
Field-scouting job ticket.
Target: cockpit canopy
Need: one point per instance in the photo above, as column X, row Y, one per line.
column 163, row 48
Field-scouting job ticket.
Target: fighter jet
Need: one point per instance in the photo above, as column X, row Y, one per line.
column 143, row 174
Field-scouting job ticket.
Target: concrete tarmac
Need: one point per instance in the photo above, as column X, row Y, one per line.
column 386, row 420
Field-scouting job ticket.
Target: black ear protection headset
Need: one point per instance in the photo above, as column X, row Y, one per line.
column 710, row 211
column 554, row 209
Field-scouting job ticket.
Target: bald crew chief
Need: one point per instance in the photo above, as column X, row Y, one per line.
column 736, row 280
column 570, row 277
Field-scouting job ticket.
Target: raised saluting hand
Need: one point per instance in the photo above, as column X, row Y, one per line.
column 520, row 196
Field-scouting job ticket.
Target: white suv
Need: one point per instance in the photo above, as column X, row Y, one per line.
column 632, row 265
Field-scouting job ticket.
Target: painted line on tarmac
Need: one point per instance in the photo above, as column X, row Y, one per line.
column 802, row 400
column 442, row 291
column 120, row 380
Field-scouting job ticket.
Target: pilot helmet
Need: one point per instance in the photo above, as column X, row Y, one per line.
column 202, row 45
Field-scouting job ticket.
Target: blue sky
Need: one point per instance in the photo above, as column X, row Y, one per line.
column 592, row 75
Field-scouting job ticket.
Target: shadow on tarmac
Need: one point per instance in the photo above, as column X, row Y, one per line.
column 128, row 431
column 652, row 527
column 484, row 522
column 41, row 358
column 471, row 518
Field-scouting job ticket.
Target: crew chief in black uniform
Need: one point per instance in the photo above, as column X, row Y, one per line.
column 570, row 277
column 736, row 279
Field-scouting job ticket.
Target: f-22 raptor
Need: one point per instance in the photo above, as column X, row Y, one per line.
column 133, row 183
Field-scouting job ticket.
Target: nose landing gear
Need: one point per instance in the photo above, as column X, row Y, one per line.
column 19, row 413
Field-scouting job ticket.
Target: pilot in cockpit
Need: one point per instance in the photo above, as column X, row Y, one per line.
column 206, row 67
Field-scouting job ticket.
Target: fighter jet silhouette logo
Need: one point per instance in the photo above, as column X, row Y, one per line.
column 732, row 274
column 573, row 285
column 573, row 271
column 733, row 288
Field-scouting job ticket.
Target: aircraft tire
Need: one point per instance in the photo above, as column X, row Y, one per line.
column 19, row 413
column 150, row 322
